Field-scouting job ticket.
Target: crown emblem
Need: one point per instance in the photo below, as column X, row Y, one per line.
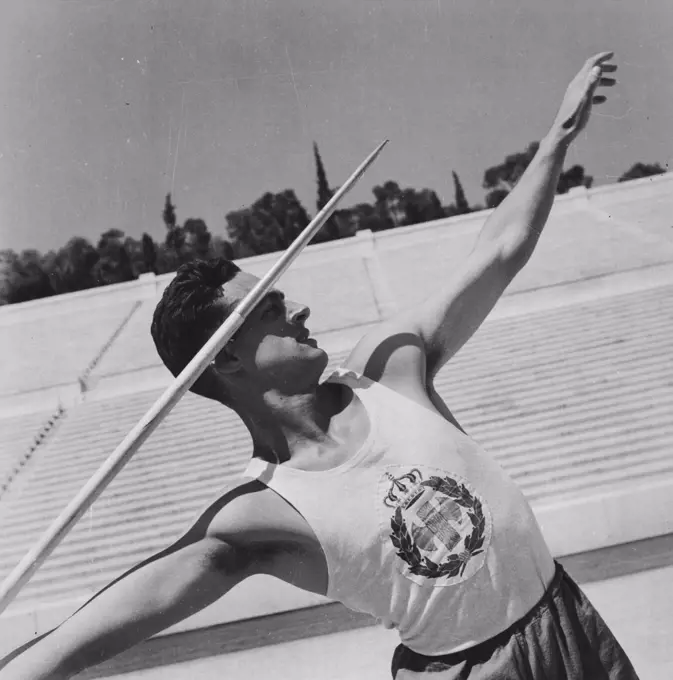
column 404, row 489
column 440, row 528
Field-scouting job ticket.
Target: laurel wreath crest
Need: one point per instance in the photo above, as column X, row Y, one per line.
column 455, row 564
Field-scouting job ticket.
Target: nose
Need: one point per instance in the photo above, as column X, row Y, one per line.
column 298, row 313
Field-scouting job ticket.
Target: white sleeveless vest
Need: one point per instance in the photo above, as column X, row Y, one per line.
column 420, row 528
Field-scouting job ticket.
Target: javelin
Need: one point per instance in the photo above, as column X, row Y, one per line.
column 162, row 407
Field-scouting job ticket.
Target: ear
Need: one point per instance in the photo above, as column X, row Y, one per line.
column 226, row 362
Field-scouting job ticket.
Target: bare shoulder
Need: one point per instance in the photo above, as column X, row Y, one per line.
column 251, row 512
column 273, row 535
column 394, row 355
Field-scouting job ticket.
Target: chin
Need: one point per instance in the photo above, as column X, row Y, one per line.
column 310, row 342
column 324, row 359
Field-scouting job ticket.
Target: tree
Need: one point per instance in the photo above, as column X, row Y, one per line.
column 71, row 268
column 460, row 206
column 108, row 239
column 366, row 216
column 220, row 247
column 183, row 242
column 573, row 177
column 421, row 206
column 495, row 197
column 175, row 237
column 134, row 250
column 149, row 251
column 397, row 207
column 114, row 262
column 344, row 225
column 23, row 277
column 500, row 179
column 460, row 200
column 389, row 204
column 324, row 192
column 337, row 224
column 168, row 215
column 270, row 224
column 638, row 170
column 8, row 260
column 197, row 238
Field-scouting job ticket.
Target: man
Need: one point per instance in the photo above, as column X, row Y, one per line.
column 364, row 487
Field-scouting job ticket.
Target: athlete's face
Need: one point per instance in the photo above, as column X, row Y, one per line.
column 273, row 340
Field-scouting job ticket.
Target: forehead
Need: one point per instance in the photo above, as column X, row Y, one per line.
column 236, row 289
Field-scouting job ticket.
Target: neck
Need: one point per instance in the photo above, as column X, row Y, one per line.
column 281, row 425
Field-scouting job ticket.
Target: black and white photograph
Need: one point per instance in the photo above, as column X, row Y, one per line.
column 336, row 340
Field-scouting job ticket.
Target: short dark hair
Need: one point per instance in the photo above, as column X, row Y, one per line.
column 188, row 314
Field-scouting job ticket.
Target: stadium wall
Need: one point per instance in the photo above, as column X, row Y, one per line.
column 351, row 285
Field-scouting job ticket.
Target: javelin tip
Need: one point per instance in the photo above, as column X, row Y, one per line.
column 378, row 149
column 366, row 163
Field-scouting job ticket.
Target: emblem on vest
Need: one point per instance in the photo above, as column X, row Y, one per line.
column 439, row 526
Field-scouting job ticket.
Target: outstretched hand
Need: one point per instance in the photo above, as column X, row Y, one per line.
column 581, row 96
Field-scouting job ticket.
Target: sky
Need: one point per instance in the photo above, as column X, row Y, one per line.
column 106, row 106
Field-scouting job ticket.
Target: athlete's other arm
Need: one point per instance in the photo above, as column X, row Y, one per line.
column 428, row 335
column 217, row 553
column 507, row 240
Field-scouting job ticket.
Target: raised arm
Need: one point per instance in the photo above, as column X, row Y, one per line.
column 414, row 344
column 507, row 240
column 196, row 571
column 518, row 221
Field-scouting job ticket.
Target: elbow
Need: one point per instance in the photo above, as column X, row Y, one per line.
column 515, row 253
column 519, row 259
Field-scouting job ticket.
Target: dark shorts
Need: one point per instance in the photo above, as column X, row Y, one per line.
column 562, row 638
